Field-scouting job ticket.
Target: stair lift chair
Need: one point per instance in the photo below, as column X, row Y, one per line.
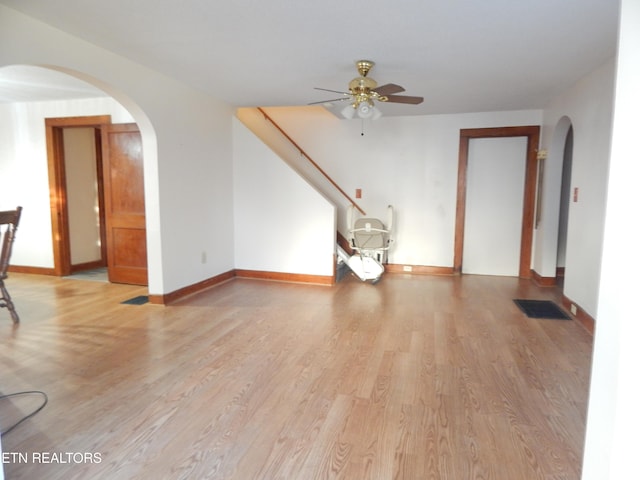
column 8, row 225
column 370, row 239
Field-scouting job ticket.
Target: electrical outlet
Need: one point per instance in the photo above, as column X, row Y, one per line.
column 407, row 268
column 574, row 309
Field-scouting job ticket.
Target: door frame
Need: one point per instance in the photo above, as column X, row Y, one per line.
column 58, row 186
column 532, row 132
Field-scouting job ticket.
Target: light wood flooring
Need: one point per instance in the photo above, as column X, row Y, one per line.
column 417, row 377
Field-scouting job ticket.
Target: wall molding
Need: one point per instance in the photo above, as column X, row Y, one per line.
column 344, row 243
column 582, row 317
column 32, row 270
column 166, row 298
column 286, row 277
column 418, row 269
column 541, row 281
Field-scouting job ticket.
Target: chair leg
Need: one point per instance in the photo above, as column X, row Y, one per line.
column 6, row 298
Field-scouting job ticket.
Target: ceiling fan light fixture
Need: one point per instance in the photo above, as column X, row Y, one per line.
column 348, row 112
column 365, row 110
column 368, row 110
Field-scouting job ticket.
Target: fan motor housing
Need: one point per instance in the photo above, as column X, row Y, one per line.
column 361, row 85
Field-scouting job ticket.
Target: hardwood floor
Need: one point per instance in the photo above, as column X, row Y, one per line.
column 417, row 377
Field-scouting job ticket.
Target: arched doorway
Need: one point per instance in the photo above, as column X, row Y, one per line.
column 76, row 98
column 565, row 199
column 558, row 188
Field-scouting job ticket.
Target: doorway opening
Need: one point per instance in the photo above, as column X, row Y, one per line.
column 565, row 199
column 76, row 187
column 97, row 198
column 532, row 134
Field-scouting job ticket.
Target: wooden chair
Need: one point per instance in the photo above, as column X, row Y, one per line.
column 8, row 226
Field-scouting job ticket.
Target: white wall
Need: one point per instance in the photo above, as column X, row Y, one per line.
column 23, row 163
column 281, row 223
column 187, row 149
column 410, row 162
column 587, row 106
column 613, row 421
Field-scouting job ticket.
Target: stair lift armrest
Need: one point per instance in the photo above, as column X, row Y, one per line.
column 377, row 249
column 390, row 218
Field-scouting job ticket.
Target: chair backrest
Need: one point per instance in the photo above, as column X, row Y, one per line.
column 369, row 234
column 8, row 225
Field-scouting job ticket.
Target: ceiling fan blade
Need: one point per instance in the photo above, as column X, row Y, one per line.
column 388, row 89
column 404, row 99
column 329, row 101
column 334, row 91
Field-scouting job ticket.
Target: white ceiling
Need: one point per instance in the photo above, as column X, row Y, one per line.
column 460, row 55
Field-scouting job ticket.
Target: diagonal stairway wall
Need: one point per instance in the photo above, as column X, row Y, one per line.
column 291, row 154
column 283, row 228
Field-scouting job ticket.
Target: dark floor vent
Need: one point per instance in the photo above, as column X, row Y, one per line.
column 140, row 300
column 541, row 309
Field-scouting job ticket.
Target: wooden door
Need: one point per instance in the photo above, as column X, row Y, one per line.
column 124, row 204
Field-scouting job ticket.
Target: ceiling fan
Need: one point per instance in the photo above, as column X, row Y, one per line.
column 364, row 90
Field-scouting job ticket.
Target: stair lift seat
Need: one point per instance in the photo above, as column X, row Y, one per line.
column 370, row 239
column 8, row 225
